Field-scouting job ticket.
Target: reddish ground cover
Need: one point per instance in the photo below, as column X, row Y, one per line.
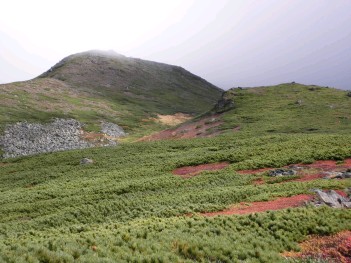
column 190, row 171
column 277, row 204
column 342, row 193
column 255, row 171
column 306, row 172
column 335, row 248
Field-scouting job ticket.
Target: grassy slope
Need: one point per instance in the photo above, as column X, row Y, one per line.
column 289, row 108
column 94, row 86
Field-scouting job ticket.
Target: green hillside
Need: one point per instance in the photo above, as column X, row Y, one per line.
column 95, row 86
column 288, row 108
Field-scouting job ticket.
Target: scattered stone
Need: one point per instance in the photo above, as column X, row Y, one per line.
column 112, row 129
column 282, row 172
column 299, row 102
column 296, row 167
column 338, row 175
column 332, row 199
column 86, row 161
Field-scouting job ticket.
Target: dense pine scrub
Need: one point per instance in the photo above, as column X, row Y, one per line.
column 128, row 206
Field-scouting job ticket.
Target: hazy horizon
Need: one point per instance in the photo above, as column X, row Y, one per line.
column 228, row 43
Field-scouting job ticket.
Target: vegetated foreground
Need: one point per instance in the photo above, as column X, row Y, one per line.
column 128, row 205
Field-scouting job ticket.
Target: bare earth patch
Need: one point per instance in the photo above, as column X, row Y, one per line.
column 335, row 248
column 206, row 127
column 173, row 120
column 277, row 204
column 191, row 171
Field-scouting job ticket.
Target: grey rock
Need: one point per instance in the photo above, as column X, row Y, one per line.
column 86, row 161
column 332, row 199
column 282, row 172
column 112, row 129
column 338, row 175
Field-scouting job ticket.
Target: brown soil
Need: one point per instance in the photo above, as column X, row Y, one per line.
column 191, row 171
column 277, row 204
column 98, row 139
column 206, row 127
column 173, row 120
column 335, row 248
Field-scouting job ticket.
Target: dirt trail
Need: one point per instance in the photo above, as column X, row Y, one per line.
column 277, row 204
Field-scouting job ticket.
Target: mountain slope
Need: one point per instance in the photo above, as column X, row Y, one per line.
column 151, row 85
column 285, row 108
column 94, row 86
column 289, row 108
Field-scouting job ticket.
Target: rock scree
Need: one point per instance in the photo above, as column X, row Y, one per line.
column 24, row 138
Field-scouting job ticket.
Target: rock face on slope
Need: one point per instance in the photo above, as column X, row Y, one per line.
column 224, row 104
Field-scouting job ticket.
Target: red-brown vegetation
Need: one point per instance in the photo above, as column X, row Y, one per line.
column 335, row 248
column 277, row 204
column 190, row 171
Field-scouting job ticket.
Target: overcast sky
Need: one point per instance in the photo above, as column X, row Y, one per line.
column 228, row 42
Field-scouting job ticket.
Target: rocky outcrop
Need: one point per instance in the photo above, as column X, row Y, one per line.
column 224, row 104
